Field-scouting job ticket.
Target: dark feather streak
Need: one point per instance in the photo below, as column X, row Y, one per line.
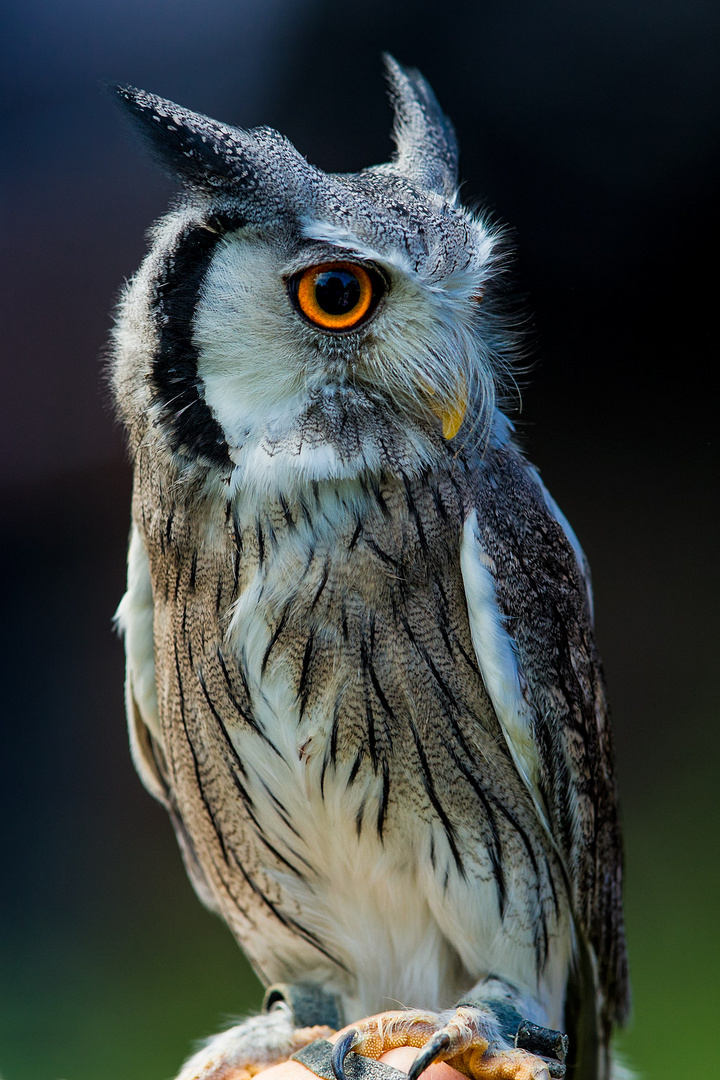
column 383, row 804
column 273, row 638
column 321, row 586
column 286, row 920
column 432, row 795
column 303, row 686
column 196, row 764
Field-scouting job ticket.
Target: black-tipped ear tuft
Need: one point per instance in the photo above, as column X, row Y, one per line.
column 195, row 149
column 427, row 148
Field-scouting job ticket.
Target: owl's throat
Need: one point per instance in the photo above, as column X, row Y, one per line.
column 339, row 435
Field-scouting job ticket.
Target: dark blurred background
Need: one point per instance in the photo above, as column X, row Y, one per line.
column 592, row 129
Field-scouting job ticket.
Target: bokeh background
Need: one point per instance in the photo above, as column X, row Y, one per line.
column 592, row 128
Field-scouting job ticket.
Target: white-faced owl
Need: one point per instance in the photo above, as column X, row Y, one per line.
column 361, row 672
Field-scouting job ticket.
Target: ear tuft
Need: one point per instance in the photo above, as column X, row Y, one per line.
column 427, row 149
column 194, row 148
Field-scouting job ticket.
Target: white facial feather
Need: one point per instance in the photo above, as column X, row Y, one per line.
column 262, row 365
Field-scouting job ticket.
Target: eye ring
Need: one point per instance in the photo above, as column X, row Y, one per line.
column 336, row 296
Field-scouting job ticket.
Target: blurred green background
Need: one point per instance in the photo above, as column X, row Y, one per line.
column 592, row 130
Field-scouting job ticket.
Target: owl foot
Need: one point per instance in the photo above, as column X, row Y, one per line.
column 248, row 1049
column 464, row 1040
column 376, row 1035
column 294, row 1016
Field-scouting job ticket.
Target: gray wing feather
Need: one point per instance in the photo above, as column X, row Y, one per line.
column 544, row 605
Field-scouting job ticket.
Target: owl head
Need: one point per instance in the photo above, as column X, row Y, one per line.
column 291, row 325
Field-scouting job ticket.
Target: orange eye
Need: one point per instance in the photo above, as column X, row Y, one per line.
column 336, row 296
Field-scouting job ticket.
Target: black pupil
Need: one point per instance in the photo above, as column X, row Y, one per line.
column 337, row 291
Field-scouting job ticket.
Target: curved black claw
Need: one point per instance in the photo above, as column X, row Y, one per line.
column 429, row 1053
column 341, row 1049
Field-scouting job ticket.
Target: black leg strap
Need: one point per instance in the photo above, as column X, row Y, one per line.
column 546, row 1043
column 309, row 1004
column 317, row 1057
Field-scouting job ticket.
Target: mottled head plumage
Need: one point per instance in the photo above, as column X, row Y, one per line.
column 232, row 371
column 205, row 153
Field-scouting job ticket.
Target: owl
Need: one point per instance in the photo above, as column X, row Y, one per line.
column 361, row 673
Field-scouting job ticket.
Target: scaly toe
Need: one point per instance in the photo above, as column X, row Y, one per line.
column 479, row 1064
column 375, row 1035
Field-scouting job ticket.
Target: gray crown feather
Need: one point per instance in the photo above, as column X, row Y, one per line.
column 263, row 169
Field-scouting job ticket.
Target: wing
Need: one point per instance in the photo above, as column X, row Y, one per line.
column 530, row 609
column 134, row 618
